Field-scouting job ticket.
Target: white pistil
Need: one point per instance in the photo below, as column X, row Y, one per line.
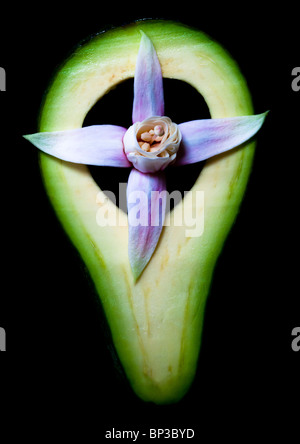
column 158, row 130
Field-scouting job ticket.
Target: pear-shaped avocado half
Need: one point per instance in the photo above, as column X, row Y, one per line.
column 155, row 322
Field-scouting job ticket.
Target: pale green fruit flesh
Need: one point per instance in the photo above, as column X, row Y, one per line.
column 155, row 323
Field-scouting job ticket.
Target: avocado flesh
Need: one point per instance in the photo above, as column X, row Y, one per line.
column 155, row 323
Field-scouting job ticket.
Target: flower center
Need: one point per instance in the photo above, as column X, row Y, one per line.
column 150, row 141
column 152, row 145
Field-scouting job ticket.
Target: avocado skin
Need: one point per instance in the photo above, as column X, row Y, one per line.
column 155, row 323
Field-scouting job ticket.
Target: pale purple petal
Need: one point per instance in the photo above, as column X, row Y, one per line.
column 148, row 84
column 100, row 145
column 206, row 138
column 146, row 203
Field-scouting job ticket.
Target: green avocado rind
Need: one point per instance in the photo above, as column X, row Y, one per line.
column 157, row 342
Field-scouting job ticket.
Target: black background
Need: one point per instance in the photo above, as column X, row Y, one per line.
column 58, row 371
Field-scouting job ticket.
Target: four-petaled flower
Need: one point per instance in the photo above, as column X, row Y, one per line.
column 151, row 144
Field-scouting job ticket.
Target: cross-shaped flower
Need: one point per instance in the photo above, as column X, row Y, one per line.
column 151, row 144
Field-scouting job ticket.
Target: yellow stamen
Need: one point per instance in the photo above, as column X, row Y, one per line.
column 150, row 140
column 155, row 147
column 146, row 137
column 146, row 146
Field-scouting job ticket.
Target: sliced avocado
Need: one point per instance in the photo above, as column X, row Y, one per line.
column 155, row 323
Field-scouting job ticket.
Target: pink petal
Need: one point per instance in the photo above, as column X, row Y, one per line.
column 146, row 202
column 92, row 145
column 148, row 84
column 206, row 138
